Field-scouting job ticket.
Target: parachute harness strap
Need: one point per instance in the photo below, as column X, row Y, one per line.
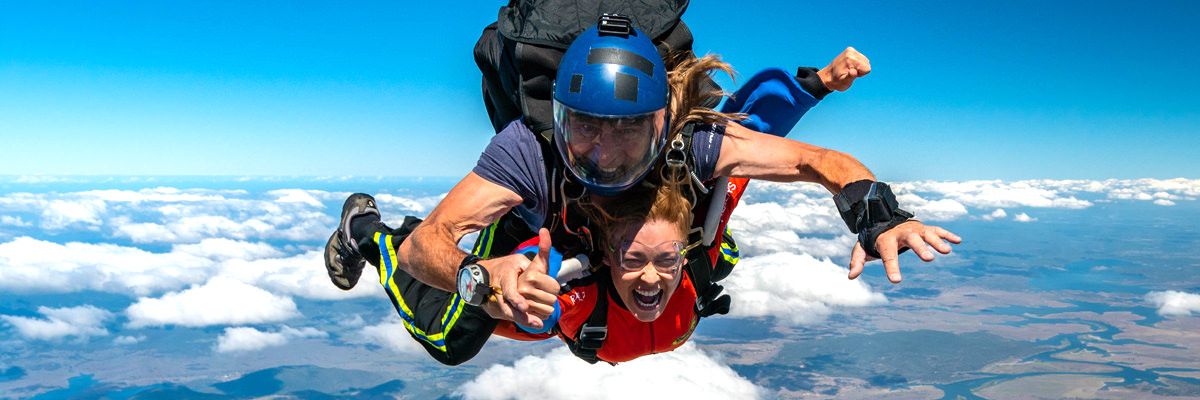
column 678, row 169
column 582, row 232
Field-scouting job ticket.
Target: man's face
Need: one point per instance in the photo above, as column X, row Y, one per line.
column 610, row 147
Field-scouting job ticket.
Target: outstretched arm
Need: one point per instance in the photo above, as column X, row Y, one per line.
column 749, row 154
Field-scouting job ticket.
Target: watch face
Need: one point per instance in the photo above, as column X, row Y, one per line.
column 466, row 284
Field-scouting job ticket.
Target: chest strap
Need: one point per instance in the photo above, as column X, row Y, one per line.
column 591, row 335
column 699, row 268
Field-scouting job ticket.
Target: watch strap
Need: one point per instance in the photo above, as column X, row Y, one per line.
column 468, row 260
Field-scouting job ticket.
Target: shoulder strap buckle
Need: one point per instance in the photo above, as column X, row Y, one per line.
column 592, row 337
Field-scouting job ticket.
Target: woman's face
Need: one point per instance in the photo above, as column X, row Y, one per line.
column 646, row 267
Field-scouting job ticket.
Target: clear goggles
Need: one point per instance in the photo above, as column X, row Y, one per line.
column 608, row 154
column 667, row 257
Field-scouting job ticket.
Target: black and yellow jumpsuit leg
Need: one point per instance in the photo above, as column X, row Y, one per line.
column 449, row 329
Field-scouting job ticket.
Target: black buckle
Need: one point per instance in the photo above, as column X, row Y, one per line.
column 591, row 337
column 880, row 203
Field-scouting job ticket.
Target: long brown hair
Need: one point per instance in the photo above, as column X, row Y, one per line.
column 690, row 81
column 636, row 206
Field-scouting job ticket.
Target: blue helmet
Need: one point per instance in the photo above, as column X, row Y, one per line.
column 610, row 99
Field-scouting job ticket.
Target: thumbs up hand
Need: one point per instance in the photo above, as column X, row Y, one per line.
column 536, row 286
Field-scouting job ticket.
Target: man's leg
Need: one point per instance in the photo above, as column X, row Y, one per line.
column 450, row 330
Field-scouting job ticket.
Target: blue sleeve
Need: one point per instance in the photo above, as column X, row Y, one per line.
column 774, row 100
column 706, row 148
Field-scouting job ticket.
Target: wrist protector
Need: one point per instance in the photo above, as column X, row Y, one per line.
column 869, row 208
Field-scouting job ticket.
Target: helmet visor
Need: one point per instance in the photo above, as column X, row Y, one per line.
column 608, row 154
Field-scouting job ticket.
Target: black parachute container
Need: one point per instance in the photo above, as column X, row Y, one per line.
column 520, row 52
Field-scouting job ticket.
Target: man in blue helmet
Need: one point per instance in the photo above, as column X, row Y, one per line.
column 614, row 116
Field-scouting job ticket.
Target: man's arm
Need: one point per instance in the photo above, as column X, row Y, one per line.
column 749, row 154
column 431, row 253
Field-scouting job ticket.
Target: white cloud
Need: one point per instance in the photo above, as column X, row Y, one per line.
column 240, row 339
column 145, row 232
column 775, row 217
column 795, row 289
column 221, row 301
column 352, row 321
column 128, row 340
column 687, row 373
column 228, row 249
column 169, row 215
column 59, row 214
column 997, row 194
column 14, row 221
column 296, row 196
column 42, row 179
column 400, row 205
column 159, row 194
column 32, row 265
column 1173, row 302
column 803, row 218
column 391, row 335
column 301, row 275
column 939, row 210
column 1023, row 217
column 83, row 321
column 998, row 214
column 246, row 339
column 1164, row 202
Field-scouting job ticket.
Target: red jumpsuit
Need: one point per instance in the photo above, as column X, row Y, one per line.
column 627, row 337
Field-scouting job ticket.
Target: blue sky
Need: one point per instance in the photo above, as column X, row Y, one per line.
column 960, row 90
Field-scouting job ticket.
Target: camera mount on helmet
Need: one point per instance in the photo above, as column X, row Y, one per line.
column 614, row 25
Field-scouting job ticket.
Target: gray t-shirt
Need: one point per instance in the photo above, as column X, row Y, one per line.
column 514, row 160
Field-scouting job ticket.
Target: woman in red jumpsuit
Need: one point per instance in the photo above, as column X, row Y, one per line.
column 650, row 300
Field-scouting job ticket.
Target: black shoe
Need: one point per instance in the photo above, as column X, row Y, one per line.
column 342, row 259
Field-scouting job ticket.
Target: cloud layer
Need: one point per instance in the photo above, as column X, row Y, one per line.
column 245, row 339
column 391, row 335
column 82, row 322
column 687, row 373
column 237, row 260
column 795, row 289
column 221, row 301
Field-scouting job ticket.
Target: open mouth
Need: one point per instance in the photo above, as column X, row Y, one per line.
column 648, row 299
column 600, row 173
column 608, row 174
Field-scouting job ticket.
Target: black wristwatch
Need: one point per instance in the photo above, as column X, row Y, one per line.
column 474, row 285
